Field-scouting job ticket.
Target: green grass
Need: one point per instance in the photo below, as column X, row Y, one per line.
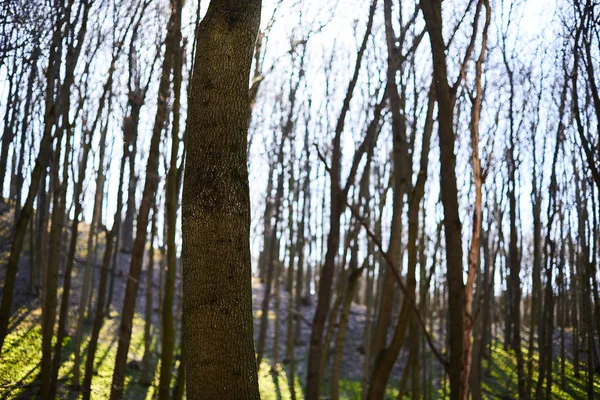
column 502, row 380
column 20, row 364
column 274, row 384
column 20, row 361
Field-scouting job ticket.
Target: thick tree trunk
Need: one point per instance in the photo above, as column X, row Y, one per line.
column 216, row 209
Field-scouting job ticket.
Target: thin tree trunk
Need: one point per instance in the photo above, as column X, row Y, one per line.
column 172, row 195
column 306, row 200
column 270, row 260
column 313, row 379
column 277, row 310
column 179, row 388
column 149, row 193
column 574, row 306
column 36, row 177
column 348, row 295
column 24, row 128
column 445, row 95
column 385, row 359
column 51, row 278
column 546, row 343
column 402, row 175
column 148, row 356
column 100, row 313
column 473, row 259
column 86, row 288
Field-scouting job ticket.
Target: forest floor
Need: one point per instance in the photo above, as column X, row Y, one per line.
column 21, row 354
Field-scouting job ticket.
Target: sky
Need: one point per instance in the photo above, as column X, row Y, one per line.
column 342, row 33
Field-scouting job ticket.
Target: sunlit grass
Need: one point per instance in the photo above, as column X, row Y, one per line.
column 275, row 384
column 20, row 364
column 502, row 380
column 20, row 361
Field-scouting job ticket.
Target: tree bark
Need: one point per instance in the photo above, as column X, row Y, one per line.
column 217, row 300
column 473, row 258
column 149, row 193
column 36, row 177
column 147, row 358
column 172, row 195
column 432, row 12
column 313, row 375
column 100, row 313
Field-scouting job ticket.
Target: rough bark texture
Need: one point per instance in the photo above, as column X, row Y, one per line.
column 217, row 301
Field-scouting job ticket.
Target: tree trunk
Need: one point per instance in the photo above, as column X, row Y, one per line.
column 100, row 313
column 385, row 359
column 270, row 259
column 148, row 356
column 402, row 175
column 24, row 128
column 432, row 12
column 216, row 209
column 36, row 177
column 473, row 258
column 86, row 288
column 348, row 295
column 171, row 202
column 149, row 193
column 51, row 276
column 313, row 374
